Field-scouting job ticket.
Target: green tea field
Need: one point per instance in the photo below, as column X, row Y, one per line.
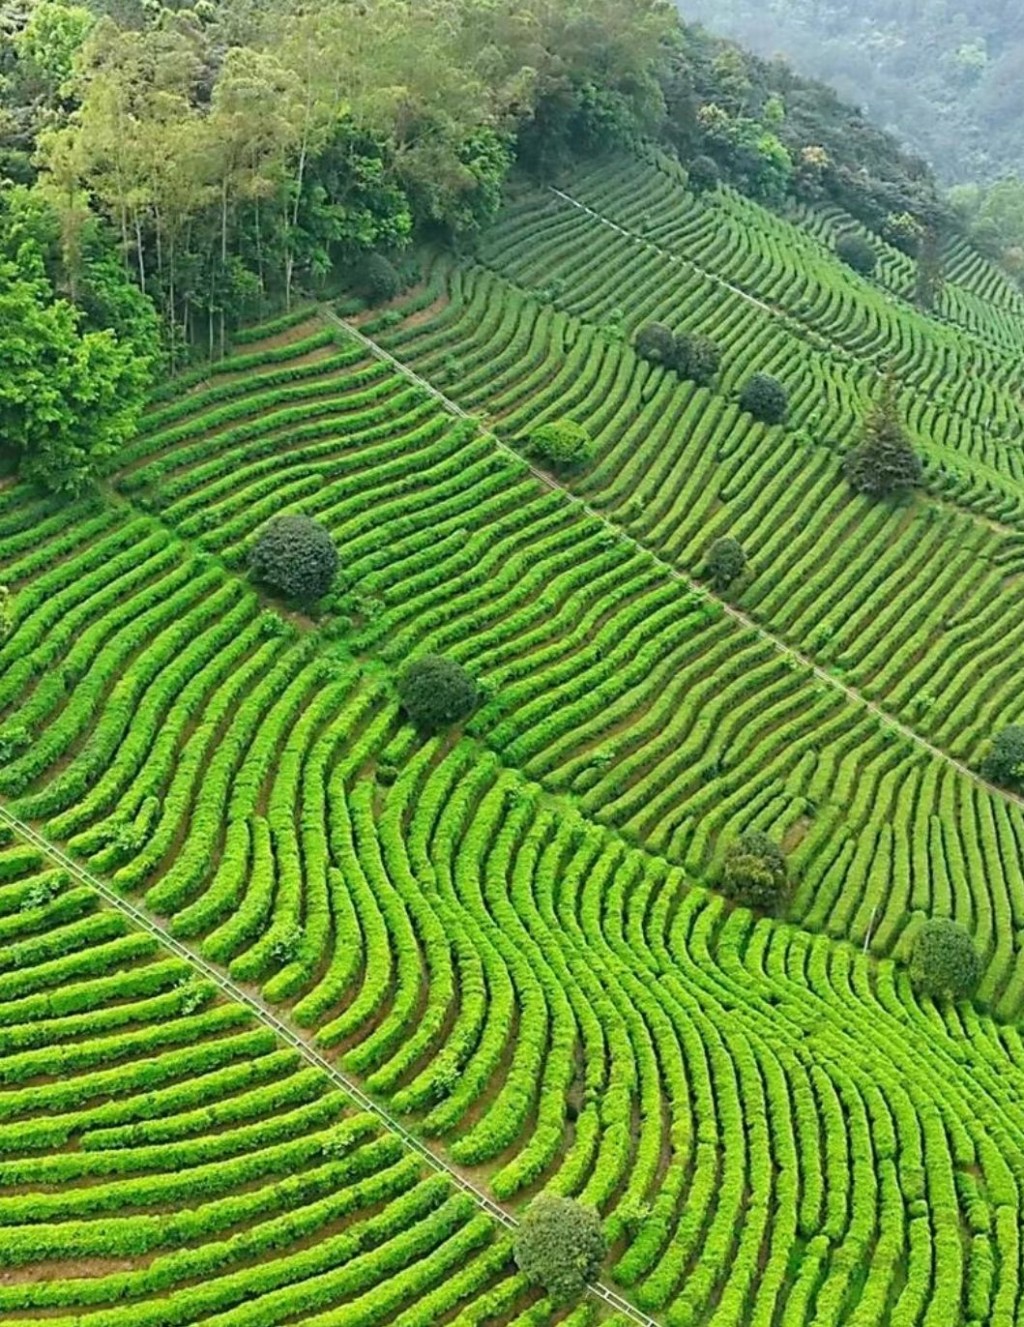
column 300, row 1005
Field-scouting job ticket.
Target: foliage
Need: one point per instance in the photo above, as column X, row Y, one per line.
column 930, row 279
column 657, row 342
column 883, row 461
column 703, row 174
column 724, row 562
column 563, row 442
column 68, row 398
column 857, row 252
column 765, row 398
column 946, row 75
column 944, row 961
column 267, row 145
column 1004, row 763
column 559, row 1245
column 696, row 357
column 754, row 873
column 691, row 355
column 295, row 555
column 379, row 279
column 6, row 613
column 436, row 692
column 772, row 132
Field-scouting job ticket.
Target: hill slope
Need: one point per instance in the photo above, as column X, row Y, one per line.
column 944, row 77
column 510, row 934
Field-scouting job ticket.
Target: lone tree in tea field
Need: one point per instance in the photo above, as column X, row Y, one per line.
column 857, row 252
column 564, row 443
column 1004, row 763
column 296, row 556
column 436, row 692
column 655, row 341
column 696, row 357
column 765, row 398
column 754, row 873
column 944, row 961
column 725, row 561
column 883, row 462
column 560, row 1245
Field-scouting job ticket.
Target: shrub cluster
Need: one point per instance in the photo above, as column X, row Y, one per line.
column 692, row 355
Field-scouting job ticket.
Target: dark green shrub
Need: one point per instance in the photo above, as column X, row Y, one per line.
column 944, row 960
column 379, row 280
column 563, row 442
column 857, row 252
column 765, row 398
column 724, row 562
column 883, row 462
column 560, row 1245
column 436, row 692
column 703, row 174
column 295, row 555
column 696, row 357
column 754, row 873
column 1004, row 763
column 656, row 342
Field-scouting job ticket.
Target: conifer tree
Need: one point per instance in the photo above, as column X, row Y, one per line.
column 883, row 462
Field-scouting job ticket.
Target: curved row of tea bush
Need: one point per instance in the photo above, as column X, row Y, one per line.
column 164, row 1161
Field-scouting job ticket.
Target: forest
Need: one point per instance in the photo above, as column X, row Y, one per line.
column 946, row 76
column 171, row 172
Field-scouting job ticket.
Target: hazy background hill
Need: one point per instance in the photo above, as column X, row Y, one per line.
column 945, row 75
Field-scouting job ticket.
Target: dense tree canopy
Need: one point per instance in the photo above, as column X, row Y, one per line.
column 945, row 73
column 559, row 1245
column 754, row 873
column 436, row 692
column 69, row 397
column 883, row 462
column 295, row 555
column 944, row 961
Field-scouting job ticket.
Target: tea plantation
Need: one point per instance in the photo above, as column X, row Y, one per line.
column 290, row 925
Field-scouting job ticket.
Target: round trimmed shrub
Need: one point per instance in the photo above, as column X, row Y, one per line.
column 379, row 280
column 436, row 692
column 765, row 398
column 703, row 175
column 754, row 873
column 725, row 561
column 563, row 442
column 296, row 556
column 560, row 1245
column 857, row 252
column 657, row 342
column 697, row 357
column 944, row 961
column 1004, row 763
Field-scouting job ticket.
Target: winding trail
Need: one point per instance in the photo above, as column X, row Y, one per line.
column 146, row 921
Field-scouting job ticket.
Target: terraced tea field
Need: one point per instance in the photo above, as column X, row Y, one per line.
column 509, row 936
